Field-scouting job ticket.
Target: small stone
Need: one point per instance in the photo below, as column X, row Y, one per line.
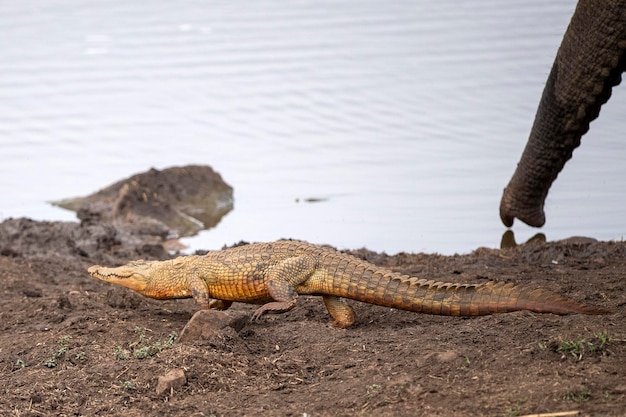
column 447, row 356
column 208, row 323
column 33, row 292
column 619, row 389
column 171, row 381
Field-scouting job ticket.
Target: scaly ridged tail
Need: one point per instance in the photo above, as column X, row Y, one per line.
column 430, row 297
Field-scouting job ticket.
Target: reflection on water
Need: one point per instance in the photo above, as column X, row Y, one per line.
column 406, row 118
column 508, row 240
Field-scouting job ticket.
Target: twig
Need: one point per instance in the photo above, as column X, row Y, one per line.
column 557, row 414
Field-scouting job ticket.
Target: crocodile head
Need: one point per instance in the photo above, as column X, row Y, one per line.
column 155, row 279
column 135, row 275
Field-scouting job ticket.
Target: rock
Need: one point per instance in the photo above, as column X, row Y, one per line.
column 132, row 218
column 173, row 202
column 171, row 381
column 205, row 324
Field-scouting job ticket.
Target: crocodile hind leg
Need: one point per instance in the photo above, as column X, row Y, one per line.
column 219, row 304
column 281, row 282
column 342, row 314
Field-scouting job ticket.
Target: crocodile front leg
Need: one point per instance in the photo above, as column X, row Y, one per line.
column 200, row 293
column 281, row 282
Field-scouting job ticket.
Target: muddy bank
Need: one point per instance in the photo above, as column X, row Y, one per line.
column 72, row 345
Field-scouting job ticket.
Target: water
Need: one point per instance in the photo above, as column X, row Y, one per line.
column 406, row 118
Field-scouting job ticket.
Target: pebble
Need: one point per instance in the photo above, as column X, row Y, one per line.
column 171, row 381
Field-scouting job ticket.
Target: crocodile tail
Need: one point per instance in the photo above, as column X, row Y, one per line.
column 492, row 298
column 449, row 299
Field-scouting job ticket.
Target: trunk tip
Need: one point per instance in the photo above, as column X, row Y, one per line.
column 512, row 208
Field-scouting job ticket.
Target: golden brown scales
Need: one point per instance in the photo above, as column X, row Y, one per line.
column 274, row 274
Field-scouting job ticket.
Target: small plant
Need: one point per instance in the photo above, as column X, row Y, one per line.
column 578, row 348
column 80, row 356
column 143, row 348
column 120, row 354
column 63, row 347
column 465, row 367
column 50, row 363
column 147, row 351
column 20, row 363
column 571, row 347
column 598, row 343
column 154, row 348
column 141, row 332
column 129, row 386
column 373, row 389
column 579, row 397
column 515, row 410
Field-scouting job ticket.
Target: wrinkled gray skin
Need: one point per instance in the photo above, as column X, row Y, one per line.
column 590, row 61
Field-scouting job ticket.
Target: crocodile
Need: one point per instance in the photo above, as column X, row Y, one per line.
column 275, row 273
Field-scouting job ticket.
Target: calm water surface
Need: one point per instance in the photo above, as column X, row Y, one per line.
column 407, row 118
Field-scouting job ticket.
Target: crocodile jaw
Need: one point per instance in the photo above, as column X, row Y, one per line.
column 134, row 276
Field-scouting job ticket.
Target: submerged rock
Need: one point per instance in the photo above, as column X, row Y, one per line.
column 173, row 202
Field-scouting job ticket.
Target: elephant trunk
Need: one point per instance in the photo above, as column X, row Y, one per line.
column 588, row 64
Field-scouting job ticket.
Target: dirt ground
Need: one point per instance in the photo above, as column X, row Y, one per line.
column 71, row 345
